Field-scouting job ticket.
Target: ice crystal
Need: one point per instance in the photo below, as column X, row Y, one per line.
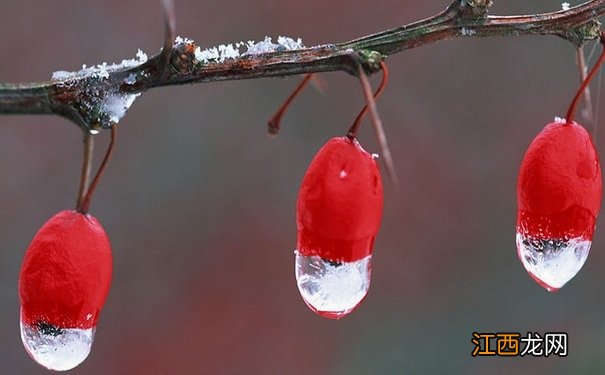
column 230, row 51
column 467, row 32
column 289, row 43
column 102, row 70
column 264, row 46
column 565, row 6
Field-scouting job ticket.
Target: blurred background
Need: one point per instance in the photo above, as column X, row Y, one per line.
column 199, row 202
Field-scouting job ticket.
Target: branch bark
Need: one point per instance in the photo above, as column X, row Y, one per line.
column 82, row 98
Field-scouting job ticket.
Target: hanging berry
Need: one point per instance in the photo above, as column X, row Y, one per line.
column 559, row 195
column 65, row 279
column 63, row 284
column 338, row 216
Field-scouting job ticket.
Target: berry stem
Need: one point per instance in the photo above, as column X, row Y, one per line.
column 385, row 77
column 274, row 122
column 86, row 168
column 377, row 124
column 85, row 204
column 572, row 107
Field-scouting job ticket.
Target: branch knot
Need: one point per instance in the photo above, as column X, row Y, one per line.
column 583, row 33
column 370, row 60
column 182, row 57
column 474, row 9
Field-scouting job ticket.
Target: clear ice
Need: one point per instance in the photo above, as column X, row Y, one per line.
column 115, row 105
column 332, row 289
column 552, row 262
column 57, row 349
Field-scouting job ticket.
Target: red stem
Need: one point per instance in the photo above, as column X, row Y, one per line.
column 572, row 107
column 274, row 122
column 85, row 204
column 86, row 166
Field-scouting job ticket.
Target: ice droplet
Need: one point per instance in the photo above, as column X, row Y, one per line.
column 332, row 289
column 552, row 262
column 57, row 349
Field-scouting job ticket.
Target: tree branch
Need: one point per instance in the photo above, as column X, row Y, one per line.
column 90, row 99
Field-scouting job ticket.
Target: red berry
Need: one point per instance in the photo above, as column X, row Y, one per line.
column 63, row 284
column 340, row 203
column 338, row 216
column 66, row 274
column 559, row 195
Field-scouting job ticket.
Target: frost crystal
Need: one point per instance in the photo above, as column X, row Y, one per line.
column 232, row 51
column 102, row 70
column 289, row 43
column 180, row 40
column 467, row 32
column 228, row 52
column 264, row 46
column 560, row 120
column 206, row 55
column 131, row 79
column 565, row 6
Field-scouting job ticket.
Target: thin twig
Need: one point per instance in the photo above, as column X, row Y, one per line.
column 377, row 125
column 352, row 133
column 572, row 107
column 583, row 71
column 169, row 31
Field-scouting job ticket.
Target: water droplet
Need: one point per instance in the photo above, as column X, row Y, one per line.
column 57, row 349
column 332, row 289
column 552, row 262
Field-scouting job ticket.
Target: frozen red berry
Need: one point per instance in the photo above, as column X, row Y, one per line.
column 63, row 284
column 338, row 216
column 559, row 195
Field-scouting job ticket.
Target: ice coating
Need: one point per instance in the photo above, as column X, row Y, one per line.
column 552, row 262
column 100, row 105
column 332, row 289
column 57, row 349
column 115, row 105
